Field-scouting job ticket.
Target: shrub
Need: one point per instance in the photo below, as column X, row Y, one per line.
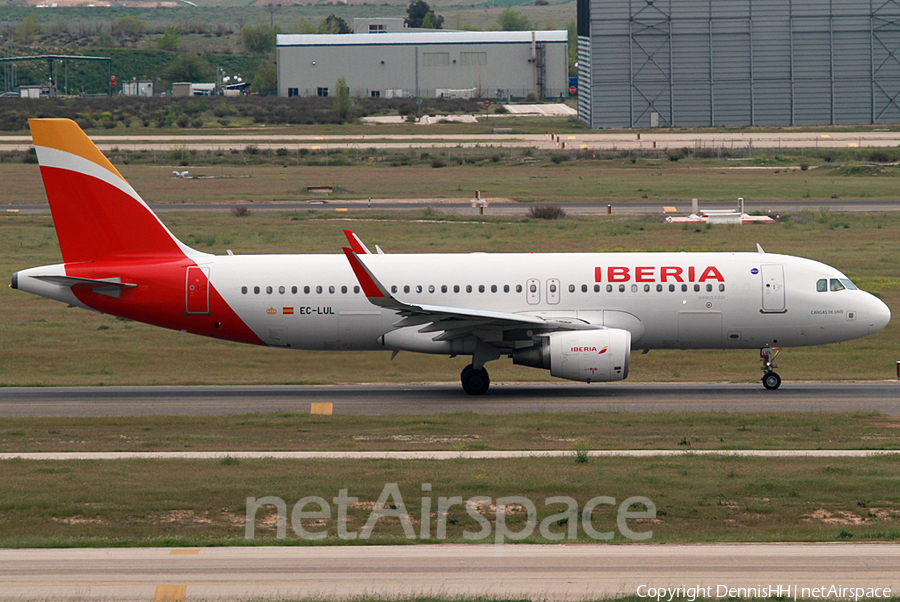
column 437, row 162
column 546, row 212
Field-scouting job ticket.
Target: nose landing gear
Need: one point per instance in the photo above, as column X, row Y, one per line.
column 770, row 379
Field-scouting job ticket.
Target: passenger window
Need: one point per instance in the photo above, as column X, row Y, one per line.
column 493, row 288
column 406, row 288
column 646, row 288
column 344, row 290
column 633, row 288
column 394, row 288
column 608, row 288
column 455, row 288
column 418, row 288
column 518, row 288
column 533, row 288
column 430, row 288
column 505, row 288
column 552, row 288
column 319, row 290
column 721, row 288
column 671, row 288
column 443, row 288
column 821, row 285
column 683, row 288
column 696, row 288
column 331, row 289
column 356, row 289
column 708, row 288
column 293, row 290
column 268, row 290
column 596, row 288
column 836, row 285
column 468, row 288
column 255, row 290
column 281, row 290
column 305, row 290
column 480, row 288
column 243, row 290
column 621, row 288
column 659, row 288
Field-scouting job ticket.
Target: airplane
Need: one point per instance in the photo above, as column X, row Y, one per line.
column 578, row 315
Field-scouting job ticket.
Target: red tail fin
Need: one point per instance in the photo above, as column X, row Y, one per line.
column 97, row 214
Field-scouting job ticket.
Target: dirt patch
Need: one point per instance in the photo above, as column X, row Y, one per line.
column 839, row 517
column 78, row 520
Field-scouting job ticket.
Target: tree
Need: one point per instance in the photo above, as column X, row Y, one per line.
column 188, row 67
column 427, row 22
column 266, row 81
column 342, row 105
column 128, row 26
column 27, row 30
column 170, row 39
column 510, row 20
column 334, row 24
column 416, row 13
column 259, row 38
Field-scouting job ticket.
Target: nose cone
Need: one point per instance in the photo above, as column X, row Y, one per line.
column 879, row 315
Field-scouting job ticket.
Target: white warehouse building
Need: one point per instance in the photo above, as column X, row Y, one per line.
column 431, row 64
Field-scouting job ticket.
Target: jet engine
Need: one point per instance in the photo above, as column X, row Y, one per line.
column 583, row 355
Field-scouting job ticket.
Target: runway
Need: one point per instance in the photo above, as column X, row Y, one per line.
column 552, row 572
column 380, row 399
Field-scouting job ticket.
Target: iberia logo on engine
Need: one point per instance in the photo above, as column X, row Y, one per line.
column 589, row 349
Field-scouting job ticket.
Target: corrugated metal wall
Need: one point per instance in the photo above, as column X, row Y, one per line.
column 738, row 62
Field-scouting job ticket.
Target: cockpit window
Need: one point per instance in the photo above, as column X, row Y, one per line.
column 822, row 285
column 846, row 282
column 836, row 285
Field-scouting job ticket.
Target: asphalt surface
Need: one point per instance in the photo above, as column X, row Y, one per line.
column 464, row 206
column 550, row 572
column 882, row 396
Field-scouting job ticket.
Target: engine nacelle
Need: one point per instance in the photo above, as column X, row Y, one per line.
column 582, row 355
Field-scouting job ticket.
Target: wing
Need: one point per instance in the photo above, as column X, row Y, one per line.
column 454, row 322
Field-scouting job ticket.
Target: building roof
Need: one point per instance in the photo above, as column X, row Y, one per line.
column 420, row 38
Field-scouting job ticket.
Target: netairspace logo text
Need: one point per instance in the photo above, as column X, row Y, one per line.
column 391, row 506
column 834, row 592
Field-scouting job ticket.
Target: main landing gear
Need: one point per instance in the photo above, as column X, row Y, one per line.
column 475, row 381
column 770, row 379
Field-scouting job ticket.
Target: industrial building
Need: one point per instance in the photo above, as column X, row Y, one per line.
column 648, row 63
column 426, row 64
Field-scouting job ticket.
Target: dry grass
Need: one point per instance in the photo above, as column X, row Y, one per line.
column 698, row 499
column 287, row 431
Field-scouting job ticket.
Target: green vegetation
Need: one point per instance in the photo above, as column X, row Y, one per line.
column 576, row 431
column 196, row 502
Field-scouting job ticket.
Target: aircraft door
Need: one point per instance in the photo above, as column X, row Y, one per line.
column 533, row 291
column 196, row 291
column 773, row 288
column 553, row 291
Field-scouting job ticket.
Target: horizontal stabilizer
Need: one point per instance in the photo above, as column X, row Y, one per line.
column 111, row 287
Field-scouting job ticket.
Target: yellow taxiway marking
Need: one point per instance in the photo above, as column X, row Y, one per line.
column 341, row 209
column 321, row 408
column 852, row 144
column 584, row 146
column 825, row 136
column 571, row 138
column 316, row 148
column 669, row 209
column 12, row 210
column 184, row 552
column 170, row 593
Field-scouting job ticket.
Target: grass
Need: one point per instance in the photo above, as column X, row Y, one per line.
column 579, row 432
column 45, row 343
column 697, row 499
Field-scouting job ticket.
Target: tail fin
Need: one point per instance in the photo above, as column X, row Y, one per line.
column 97, row 214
